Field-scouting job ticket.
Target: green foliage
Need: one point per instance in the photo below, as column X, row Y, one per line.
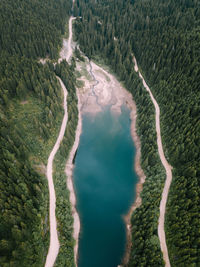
column 25, row 145
column 164, row 37
column 22, row 219
column 33, row 29
column 78, row 54
column 145, row 248
column 30, row 115
column 63, row 205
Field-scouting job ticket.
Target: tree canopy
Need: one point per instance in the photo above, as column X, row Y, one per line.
column 164, row 37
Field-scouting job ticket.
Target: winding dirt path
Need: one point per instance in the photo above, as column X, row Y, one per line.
column 66, row 53
column 67, row 50
column 54, row 243
column 168, row 169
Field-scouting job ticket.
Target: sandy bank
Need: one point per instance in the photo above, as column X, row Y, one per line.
column 139, row 186
column 100, row 89
column 69, row 173
column 104, row 89
column 66, row 54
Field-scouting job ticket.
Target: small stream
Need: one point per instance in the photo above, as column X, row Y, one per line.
column 104, row 180
column 92, row 93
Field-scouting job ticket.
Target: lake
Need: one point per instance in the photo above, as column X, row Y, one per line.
column 104, row 181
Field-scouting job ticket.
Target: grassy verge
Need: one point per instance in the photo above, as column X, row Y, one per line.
column 27, row 116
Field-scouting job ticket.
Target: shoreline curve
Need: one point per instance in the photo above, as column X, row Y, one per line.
column 120, row 97
column 141, row 179
column 66, row 54
column 70, row 185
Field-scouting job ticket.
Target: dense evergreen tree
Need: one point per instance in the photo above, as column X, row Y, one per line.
column 164, row 37
column 63, row 205
column 30, row 109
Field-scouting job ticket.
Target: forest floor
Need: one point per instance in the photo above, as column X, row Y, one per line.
column 168, row 169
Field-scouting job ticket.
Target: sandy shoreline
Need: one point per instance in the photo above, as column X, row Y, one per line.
column 66, row 53
column 120, row 96
column 101, row 89
column 70, row 186
column 141, row 179
column 108, row 91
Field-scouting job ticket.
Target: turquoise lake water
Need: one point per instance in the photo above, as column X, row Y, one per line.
column 104, row 180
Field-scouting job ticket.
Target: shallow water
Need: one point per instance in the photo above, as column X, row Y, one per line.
column 104, row 180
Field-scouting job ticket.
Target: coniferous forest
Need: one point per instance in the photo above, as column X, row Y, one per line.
column 30, row 116
column 164, row 37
